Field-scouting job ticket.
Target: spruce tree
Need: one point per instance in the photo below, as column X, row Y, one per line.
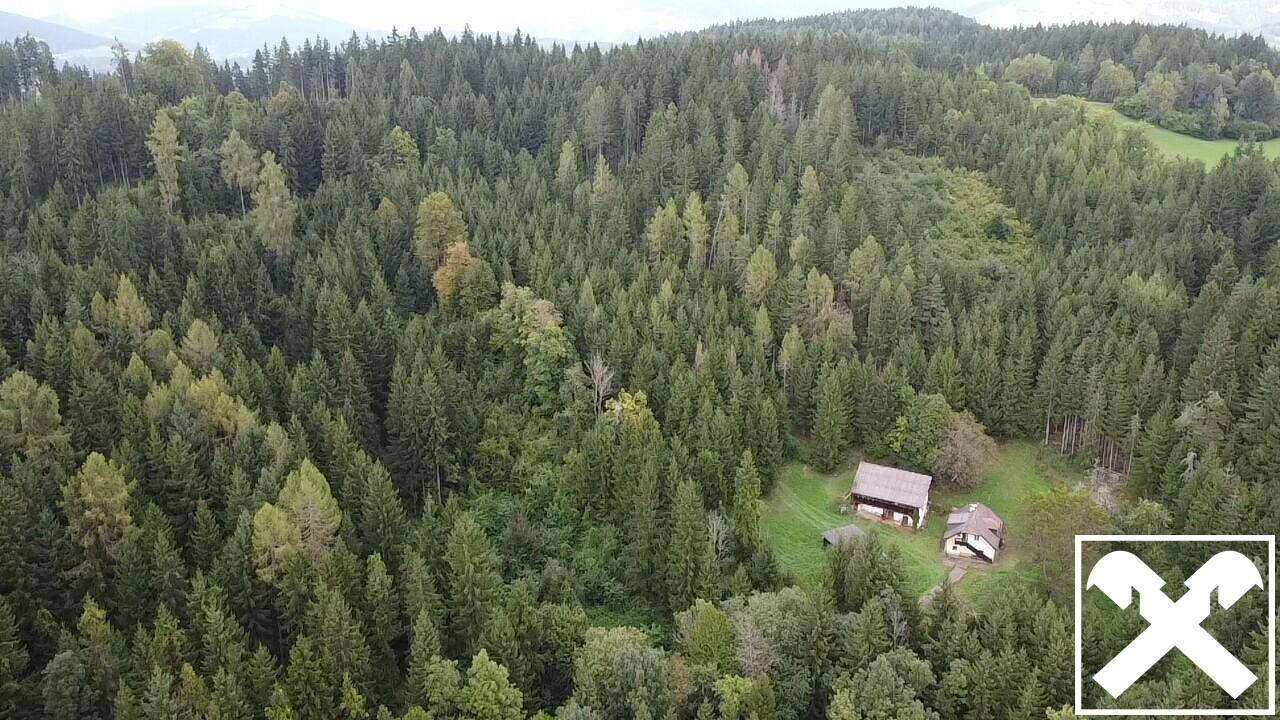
column 96, row 502
column 381, row 619
column 13, row 658
column 474, row 583
column 310, row 694
column 745, row 515
column 274, row 209
column 1259, row 431
column 439, row 226
column 239, row 164
column 166, row 153
column 487, row 694
column 689, row 555
column 1214, row 369
column 831, row 422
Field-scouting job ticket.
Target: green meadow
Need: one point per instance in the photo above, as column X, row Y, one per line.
column 806, row 503
column 1177, row 144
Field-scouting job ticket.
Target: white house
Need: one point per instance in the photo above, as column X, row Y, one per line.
column 973, row 531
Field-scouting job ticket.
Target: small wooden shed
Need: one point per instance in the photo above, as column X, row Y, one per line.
column 835, row 536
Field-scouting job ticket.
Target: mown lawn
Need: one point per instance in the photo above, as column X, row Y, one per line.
column 1172, row 143
column 806, row 503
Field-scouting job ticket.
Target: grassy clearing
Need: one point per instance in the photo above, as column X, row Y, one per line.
column 805, row 503
column 636, row 616
column 1177, row 144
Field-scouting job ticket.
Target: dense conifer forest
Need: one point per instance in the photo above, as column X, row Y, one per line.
column 437, row 377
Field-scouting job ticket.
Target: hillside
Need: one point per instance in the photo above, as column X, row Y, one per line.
column 456, row 376
column 60, row 38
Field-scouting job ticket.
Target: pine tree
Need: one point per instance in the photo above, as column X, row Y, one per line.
column 206, row 536
column 158, row 699
column 1153, row 452
column 261, row 677
column 13, row 658
column 664, row 235
column 166, row 153
column 890, row 317
column 447, row 278
column 708, row 637
column 404, row 149
column 831, row 423
column 1016, row 412
column 97, row 503
column 339, row 642
column 417, row 591
column 227, row 698
column 695, row 231
column 221, row 643
column 381, row 615
column 274, row 209
column 689, row 558
column 309, row 695
column 1259, row 431
column 1214, row 369
column 181, row 485
column 769, row 440
column 239, row 164
column 439, row 227
column 312, row 509
column 279, row 708
column 597, row 121
column 474, row 582
column 759, row 277
column 488, row 695
column 745, row 517
column 568, row 174
column 418, row 429
column 424, row 650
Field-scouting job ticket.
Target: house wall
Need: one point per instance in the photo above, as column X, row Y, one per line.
column 981, row 543
column 894, row 516
column 953, row 546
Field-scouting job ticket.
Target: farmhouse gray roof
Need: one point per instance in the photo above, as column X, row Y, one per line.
column 900, row 487
column 975, row 519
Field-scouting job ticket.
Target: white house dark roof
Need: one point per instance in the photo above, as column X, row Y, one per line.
column 900, row 487
column 976, row 519
column 835, row 535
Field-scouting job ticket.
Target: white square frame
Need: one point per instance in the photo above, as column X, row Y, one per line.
column 1270, row 540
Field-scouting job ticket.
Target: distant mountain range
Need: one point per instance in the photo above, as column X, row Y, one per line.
column 60, row 38
column 1226, row 17
column 232, row 32
column 227, row 32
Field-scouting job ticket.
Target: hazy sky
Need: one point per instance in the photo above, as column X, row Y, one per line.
column 606, row 20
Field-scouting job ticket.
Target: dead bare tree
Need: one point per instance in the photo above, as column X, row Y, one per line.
column 601, row 381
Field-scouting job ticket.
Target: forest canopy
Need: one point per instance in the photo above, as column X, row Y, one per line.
column 444, row 377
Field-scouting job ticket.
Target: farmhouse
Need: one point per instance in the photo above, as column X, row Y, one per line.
column 835, row 536
column 973, row 531
column 897, row 496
